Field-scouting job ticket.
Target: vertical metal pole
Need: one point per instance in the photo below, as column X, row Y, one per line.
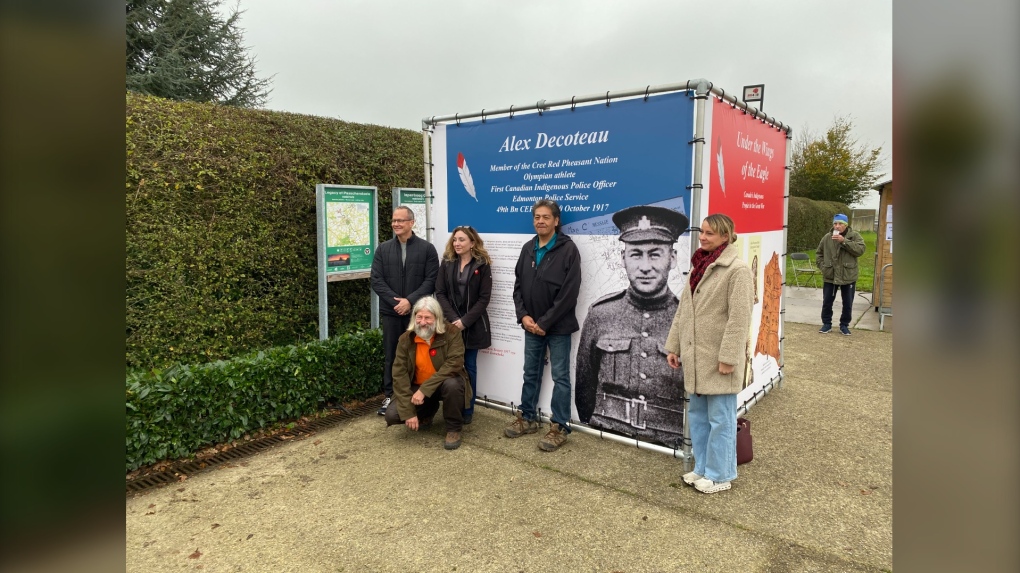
column 428, row 182
column 375, row 310
column 786, row 250
column 374, row 306
column 696, row 186
column 701, row 91
column 320, row 254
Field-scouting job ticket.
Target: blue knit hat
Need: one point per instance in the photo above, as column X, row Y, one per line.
column 840, row 218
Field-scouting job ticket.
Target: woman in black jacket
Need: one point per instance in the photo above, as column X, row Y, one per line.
column 463, row 288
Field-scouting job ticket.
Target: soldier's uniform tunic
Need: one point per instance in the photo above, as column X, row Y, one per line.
column 623, row 383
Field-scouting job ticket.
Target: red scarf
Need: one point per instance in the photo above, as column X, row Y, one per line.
column 700, row 262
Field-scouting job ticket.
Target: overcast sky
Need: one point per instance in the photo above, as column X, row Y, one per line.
column 394, row 62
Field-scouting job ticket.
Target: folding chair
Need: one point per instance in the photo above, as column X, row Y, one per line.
column 802, row 266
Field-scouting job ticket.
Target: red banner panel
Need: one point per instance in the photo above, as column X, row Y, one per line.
column 746, row 174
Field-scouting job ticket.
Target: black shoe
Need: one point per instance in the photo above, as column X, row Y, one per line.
column 825, row 329
column 844, row 331
column 385, row 404
column 467, row 418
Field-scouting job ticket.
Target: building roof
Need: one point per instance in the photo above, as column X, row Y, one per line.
column 878, row 186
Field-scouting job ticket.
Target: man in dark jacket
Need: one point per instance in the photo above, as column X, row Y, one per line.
column 403, row 270
column 623, row 383
column 545, row 295
column 837, row 256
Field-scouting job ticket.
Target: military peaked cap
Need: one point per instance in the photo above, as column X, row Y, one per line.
column 645, row 223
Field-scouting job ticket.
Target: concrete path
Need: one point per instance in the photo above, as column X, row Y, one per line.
column 804, row 306
column 361, row 497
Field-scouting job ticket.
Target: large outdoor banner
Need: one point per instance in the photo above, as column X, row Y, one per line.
column 747, row 181
column 595, row 161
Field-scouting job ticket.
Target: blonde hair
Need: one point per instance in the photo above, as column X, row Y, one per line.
column 430, row 304
column 478, row 251
column 722, row 225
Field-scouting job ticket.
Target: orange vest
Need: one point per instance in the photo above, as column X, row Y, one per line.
column 423, row 368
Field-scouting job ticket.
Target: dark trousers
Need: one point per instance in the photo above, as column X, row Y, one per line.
column 471, row 365
column 451, row 393
column 846, row 293
column 392, row 328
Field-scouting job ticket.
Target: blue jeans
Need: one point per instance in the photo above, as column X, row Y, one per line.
column 846, row 293
column 534, row 366
column 471, row 365
column 713, row 420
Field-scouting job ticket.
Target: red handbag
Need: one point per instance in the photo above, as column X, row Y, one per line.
column 745, row 452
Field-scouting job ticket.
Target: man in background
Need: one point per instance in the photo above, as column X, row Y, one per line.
column 836, row 256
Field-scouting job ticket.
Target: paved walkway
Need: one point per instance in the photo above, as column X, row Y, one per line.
column 804, row 304
column 361, row 497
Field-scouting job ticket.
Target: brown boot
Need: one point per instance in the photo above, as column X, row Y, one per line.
column 520, row 426
column 553, row 439
column 452, row 440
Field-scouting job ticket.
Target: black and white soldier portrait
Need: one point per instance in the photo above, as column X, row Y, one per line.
column 623, row 383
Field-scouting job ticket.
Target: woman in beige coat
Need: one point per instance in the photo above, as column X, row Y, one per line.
column 708, row 338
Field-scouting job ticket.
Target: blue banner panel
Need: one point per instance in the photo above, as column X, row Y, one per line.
column 593, row 161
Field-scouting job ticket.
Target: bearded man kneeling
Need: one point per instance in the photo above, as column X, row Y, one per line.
column 429, row 368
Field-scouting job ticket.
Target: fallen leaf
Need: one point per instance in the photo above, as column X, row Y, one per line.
column 150, row 513
column 250, row 535
column 195, row 555
column 842, row 483
column 215, row 525
column 644, row 518
column 316, row 442
column 180, row 489
column 152, row 505
column 536, row 534
column 865, row 492
column 873, row 486
column 182, row 477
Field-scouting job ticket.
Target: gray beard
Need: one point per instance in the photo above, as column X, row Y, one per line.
column 425, row 333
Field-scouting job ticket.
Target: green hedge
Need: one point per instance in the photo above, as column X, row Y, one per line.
column 175, row 412
column 220, row 205
column 808, row 221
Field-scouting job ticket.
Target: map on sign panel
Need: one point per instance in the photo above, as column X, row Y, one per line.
column 347, row 224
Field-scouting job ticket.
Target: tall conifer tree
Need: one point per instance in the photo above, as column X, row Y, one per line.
column 187, row 50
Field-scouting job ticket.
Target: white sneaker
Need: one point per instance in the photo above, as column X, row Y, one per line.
column 385, row 404
column 690, row 477
column 705, row 485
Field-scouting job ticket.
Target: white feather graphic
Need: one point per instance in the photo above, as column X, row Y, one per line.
column 719, row 166
column 465, row 176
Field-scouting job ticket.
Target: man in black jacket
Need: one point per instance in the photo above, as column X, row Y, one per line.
column 403, row 270
column 545, row 295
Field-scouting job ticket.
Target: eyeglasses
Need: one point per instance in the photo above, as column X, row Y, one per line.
column 463, row 228
column 401, row 220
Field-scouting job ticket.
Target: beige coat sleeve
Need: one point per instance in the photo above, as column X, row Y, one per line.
column 741, row 302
